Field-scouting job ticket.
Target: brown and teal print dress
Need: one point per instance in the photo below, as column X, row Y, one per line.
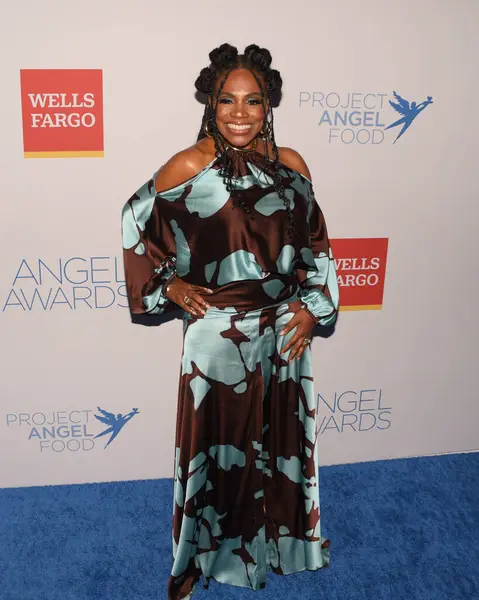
column 246, row 494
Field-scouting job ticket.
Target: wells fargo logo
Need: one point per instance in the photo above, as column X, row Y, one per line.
column 62, row 111
column 361, row 270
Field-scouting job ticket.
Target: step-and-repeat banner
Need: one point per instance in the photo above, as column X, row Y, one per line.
column 379, row 98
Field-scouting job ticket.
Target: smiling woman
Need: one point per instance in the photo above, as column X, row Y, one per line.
column 228, row 236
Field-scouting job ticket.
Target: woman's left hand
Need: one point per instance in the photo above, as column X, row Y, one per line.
column 304, row 324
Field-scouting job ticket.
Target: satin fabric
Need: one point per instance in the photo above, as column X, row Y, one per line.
column 246, row 493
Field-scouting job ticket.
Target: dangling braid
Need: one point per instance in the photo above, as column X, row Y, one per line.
column 225, row 59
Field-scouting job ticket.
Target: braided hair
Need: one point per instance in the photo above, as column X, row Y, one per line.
column 224, row 60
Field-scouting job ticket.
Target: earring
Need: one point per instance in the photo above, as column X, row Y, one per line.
column 206, row 130
column 265, row 131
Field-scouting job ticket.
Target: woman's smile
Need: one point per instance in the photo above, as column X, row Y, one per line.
column 239, row 129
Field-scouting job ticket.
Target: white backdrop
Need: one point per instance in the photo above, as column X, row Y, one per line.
column 413, row 363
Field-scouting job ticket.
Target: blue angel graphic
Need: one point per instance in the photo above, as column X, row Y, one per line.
column 409, row 112
column 116, row 423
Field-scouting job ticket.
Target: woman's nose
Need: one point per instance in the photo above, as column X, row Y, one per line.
column 239, row 110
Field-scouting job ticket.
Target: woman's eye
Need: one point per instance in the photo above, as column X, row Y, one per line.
column 251, row 101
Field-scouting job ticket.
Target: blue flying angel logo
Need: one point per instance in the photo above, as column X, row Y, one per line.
column 408, row 111
column 115, row 422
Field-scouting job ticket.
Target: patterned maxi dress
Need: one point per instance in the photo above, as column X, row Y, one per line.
column 246, row 496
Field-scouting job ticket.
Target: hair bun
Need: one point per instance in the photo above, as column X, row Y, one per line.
column 223, row 56
column 260, row 57
column 205, row 81
column 274, row 81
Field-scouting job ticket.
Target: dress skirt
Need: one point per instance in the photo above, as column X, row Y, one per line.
column 246, row 493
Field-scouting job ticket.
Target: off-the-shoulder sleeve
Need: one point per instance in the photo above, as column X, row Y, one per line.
column 316, row 271
column 149, row 254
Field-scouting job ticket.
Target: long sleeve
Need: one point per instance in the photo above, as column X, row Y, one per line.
column 316, row 271
column 149, row 254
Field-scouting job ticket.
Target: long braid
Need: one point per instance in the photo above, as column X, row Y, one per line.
column 278, row 182
column 204, row 121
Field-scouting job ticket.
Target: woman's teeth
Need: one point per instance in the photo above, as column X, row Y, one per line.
column 238, row 127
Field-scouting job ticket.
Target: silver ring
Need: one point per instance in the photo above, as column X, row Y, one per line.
column 306, row 341
column 186, row 300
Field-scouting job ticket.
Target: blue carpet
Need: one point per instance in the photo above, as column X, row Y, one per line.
column 400, row 529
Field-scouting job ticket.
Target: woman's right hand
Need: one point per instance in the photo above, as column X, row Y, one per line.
column 179, row 290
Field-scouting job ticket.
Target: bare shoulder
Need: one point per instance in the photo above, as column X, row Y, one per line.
column 294, row 160
column 183, row 166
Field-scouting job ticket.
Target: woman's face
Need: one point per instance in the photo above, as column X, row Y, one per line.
column 239, row 113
